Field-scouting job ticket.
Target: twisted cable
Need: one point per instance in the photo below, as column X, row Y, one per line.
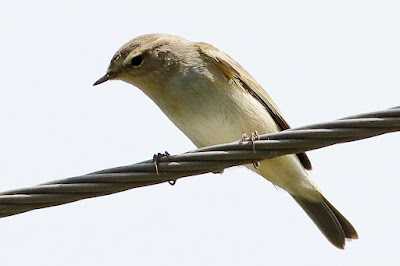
column 204, row 160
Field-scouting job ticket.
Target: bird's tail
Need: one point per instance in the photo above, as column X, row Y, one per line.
column 330, row 221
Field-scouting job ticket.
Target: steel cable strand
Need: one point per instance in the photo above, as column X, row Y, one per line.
column 204, row 160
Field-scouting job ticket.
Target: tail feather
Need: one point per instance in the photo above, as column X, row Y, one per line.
column 329, row 220
column 349, row 231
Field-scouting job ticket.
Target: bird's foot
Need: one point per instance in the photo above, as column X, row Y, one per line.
column 254, row 137
column 156, row 160
column 243, row 138
column 256, row 165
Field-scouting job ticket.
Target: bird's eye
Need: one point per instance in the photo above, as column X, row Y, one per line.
column 137, row 60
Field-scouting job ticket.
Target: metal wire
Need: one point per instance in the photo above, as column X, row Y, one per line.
column 204, row 160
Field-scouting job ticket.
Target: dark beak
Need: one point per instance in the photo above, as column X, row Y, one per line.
column 108, row 76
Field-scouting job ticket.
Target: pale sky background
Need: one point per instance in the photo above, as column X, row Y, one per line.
column 319, row 60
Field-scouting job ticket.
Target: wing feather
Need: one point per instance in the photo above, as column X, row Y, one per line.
column 233, row 71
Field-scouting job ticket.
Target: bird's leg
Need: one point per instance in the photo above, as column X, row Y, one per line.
column 254, row 137
column 244, row 137
column 256, row 165
column 156, row 160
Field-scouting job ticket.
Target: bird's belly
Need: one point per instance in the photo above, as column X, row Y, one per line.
column 209, row 122
column 221, row 122
column 216, row 130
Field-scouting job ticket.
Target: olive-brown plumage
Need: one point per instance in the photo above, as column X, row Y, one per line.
column 213, row 100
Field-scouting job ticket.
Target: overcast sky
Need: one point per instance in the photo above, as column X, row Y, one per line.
column 319, row 61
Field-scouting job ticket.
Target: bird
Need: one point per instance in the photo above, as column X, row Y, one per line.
column 212, row 99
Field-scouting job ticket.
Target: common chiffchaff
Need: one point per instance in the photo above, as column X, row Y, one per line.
column 213, row 100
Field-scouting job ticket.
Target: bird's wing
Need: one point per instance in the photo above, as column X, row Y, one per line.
column 233, row 71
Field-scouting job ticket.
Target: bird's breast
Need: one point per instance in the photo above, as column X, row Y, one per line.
column 209, row 113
